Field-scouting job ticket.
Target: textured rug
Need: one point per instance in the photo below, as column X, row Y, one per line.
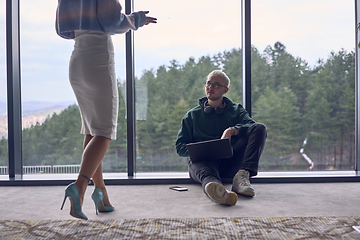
column 186, row 228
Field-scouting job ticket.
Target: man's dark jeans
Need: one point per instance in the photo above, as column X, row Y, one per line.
column 247, row 152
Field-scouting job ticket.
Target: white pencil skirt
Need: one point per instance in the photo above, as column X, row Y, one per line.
column 92, row 77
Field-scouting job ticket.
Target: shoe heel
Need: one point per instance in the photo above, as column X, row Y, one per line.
column 96, row 208
column 72, row 192
column 97, row 196
column 63, row 202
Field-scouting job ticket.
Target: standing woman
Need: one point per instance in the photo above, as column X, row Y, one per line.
column 92, row 76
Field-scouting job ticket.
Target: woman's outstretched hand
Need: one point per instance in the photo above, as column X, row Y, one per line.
column 150, row 19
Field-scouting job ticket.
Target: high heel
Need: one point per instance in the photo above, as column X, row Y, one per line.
column 72, row 192
column 98, row 197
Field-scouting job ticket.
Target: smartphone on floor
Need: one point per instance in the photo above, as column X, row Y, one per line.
column 178, row 188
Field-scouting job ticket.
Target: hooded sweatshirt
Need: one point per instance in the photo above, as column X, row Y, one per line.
column 197, row 126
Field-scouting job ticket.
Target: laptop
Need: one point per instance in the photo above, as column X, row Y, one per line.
column 210, row 150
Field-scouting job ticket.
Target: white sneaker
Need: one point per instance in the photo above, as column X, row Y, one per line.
column 241, row 183
column 218, row 193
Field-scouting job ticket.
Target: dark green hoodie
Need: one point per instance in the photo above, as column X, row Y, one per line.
column 197, row 126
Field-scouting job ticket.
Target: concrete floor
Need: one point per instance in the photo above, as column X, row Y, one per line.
column 158, row 201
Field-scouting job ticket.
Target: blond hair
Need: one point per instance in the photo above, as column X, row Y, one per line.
column 221, row 74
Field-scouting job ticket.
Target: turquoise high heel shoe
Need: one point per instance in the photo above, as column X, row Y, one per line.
column 72, row 192
column 98, row 197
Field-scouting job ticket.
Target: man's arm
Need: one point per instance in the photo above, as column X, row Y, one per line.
column 184, row 136
column 229, row 132
column 244, row 122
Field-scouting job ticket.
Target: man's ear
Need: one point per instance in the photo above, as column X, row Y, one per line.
column 226, row 90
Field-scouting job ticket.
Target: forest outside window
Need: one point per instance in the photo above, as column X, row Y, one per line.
column 303, row 84
column 173, row 59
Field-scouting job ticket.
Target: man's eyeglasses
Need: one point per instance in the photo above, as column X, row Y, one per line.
column 215, row 85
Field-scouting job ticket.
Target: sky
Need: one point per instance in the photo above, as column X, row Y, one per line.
column 310, row 29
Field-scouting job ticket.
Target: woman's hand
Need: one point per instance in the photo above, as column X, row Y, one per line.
column 150, row 19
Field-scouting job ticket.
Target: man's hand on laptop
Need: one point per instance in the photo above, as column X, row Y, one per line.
column 227, row 134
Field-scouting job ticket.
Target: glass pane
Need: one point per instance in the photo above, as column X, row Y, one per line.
column 116, row 158
column 303, row 83
column 173, row 58
column 52, row 142
column 4, row 162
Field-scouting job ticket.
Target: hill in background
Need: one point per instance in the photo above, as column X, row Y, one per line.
column 33, row 113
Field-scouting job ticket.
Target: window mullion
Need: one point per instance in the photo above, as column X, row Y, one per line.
column 246, row 53
column 14, row 89
column 130, row 96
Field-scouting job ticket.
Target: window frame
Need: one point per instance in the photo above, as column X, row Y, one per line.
column 15, row 126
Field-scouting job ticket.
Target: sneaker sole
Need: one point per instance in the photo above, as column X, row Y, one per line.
column 219, row 194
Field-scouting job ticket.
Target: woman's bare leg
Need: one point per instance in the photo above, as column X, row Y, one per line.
column 99, row 183
column 98, row 176
column 95, row 148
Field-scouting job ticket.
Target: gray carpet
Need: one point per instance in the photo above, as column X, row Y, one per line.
column 186, row 228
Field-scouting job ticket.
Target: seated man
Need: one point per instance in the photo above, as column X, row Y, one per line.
column 218, row 117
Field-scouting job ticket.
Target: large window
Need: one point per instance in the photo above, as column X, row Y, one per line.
column 49, row 114
column 303, row 83
column 3, row 115
column 116, row 158
column 173, row 58
column 51, row 122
